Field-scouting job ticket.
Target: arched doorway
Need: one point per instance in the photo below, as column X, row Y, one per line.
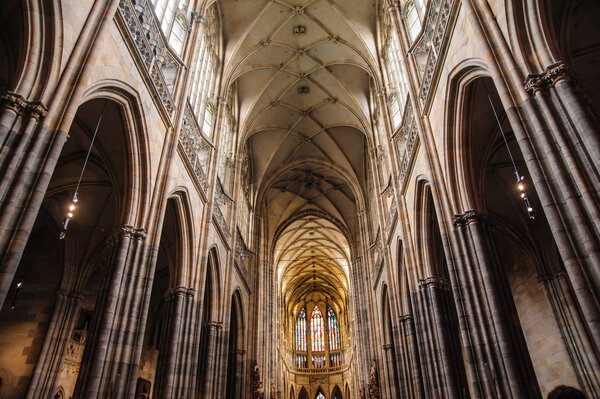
column 303, row 394
column 337, row 393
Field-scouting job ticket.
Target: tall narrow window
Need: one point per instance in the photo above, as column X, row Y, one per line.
column 334, row 330
column 317, row 331
column 177, row 36
column 170, row 15
column 414, row 23
column 205, row 74
column 396, row 78
column 301, row 331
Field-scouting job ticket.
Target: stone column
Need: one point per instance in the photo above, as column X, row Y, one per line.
column 570, row 161
column 390, row 360
column 239, row 360
column 30, row 148
column 411, row 380
column 448, row 380
column 209, row 374
column 111, row 357
column 48, row 365
column 172, row 363
column 492, row 341
column 579, row 346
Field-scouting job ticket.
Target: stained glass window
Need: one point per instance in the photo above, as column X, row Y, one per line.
column 301, row 331
column 334, row 330
column 318, row 361
column 317, row 331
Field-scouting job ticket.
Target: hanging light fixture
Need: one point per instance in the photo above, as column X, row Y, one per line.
column 520, row 178
column 18, row 289
column 73, row 205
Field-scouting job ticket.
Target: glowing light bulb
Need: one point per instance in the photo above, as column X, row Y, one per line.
column 521, row 186
column 72, row 207
column 529, row 209
column 522, row 195
column 70, row 214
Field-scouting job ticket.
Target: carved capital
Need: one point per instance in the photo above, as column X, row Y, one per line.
column 435, row 282
column 535, row 83
column 132, row 232
column 551, row 76
column 37, row 110
column 466, row 218
column 214, row 325
column 405, row 318
column 14, row 102
column 175, row 292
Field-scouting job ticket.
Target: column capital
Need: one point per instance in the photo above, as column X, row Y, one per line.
column 470, row 216
column 551, row 76
column 132, row 232
column 214, row 325
column 405, row 317
column 433, row 281
column 22, row 107
column 178, row 292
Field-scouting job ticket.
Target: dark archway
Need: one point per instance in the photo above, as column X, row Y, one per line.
column 235, row 364
column 523, row 250
column 13, row 43
column 336, row 393
column 389, row 345
column 574, row 27
column 208, row 327
column 434, row 307
column 303, row 394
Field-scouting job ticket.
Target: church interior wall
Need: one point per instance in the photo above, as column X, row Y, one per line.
column 154, row 292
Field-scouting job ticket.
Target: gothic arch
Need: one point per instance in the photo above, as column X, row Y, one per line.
column 184, row 273
column 389, row 344
column 236, row 350
column 136, row 189
column 303, row 394
column 209, row 324
column 336, row 393
column 31, row 64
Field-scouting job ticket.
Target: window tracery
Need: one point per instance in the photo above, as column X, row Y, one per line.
column 173, row 23
column 205, row 73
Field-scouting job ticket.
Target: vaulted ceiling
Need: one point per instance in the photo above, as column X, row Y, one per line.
column 303, row 70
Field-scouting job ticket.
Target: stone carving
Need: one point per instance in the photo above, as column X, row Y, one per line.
column 362, row 391
column 373, row 382
column 194, row 145
column 141, row 24
column 552, row 75
column 435, row 282
column 258, row 392
column 20, row 106
column 466, row 218
column 299, row 30
column 273, row 395
column 430, row 42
